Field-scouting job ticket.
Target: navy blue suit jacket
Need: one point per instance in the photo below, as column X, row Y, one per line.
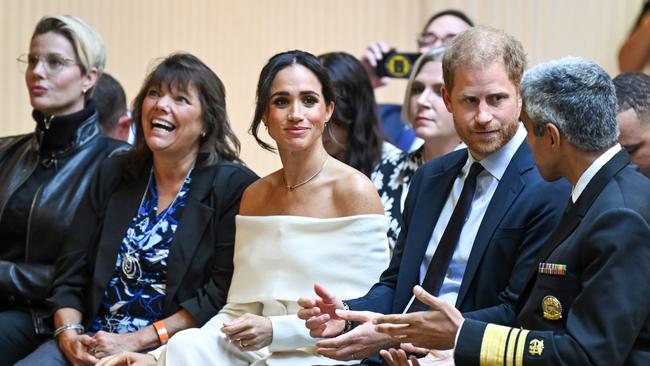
column 603, row 294
column 522, row 213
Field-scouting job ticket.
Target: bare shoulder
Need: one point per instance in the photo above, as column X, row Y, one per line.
column 354, row 193
column 255, row 196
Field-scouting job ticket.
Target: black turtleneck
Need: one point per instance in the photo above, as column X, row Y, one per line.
column 58, row 132
column 55, row 134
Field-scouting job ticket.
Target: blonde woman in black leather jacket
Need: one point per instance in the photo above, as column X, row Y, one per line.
column 44, row 174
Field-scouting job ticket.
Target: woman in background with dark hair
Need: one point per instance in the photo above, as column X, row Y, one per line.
column 150, row 250
column 353, row 134
column 314, row 220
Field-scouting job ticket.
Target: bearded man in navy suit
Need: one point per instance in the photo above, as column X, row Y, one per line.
column 492, row 243
column 586, row 298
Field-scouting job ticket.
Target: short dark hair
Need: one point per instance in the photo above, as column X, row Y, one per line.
column 633, row 91
column 110, row 102
column 356, row 110
column 276, row 64
column 180, row 71
column 455, row 13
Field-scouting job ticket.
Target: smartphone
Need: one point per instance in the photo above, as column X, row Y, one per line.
column 396, row 64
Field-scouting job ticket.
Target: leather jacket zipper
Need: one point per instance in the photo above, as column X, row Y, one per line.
column 48, row 121
column 39, row 191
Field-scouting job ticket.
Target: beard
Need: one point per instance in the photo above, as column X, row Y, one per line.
column 483, row 148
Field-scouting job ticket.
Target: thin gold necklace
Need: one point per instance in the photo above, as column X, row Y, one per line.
column 292, row 187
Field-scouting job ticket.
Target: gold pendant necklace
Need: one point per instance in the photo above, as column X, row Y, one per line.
column 292, row 187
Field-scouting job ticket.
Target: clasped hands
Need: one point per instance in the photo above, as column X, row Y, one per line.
column 82, row 349
column 418, row 332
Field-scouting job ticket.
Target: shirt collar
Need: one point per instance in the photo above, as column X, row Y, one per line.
column 497, row 162
column 588, row 174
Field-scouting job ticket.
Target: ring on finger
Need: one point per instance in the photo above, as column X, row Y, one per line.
column 241, row 344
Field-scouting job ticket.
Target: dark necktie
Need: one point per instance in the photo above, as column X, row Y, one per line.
column 445, row 250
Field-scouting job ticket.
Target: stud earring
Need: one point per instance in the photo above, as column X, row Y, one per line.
column 203, row 134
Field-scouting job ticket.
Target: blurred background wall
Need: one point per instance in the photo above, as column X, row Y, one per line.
column 236, row 37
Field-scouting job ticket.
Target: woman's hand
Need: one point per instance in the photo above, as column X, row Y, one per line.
column 249, row 332
column 128, row 359
column 107, row 344
column 77, row 348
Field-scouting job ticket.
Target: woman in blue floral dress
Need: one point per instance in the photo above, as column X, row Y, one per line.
column 150, row 250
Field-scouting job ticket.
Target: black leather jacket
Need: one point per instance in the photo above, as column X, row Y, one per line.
column 26, row 284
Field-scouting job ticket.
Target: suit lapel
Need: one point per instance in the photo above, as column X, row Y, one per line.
column 574, row 215
column 432, row 196
column 121, row 207
column 507, row 190
column 191, row 230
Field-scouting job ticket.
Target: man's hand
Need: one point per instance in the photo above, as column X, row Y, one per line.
column 359, row 343
column 128, row 359
column 375, row 53
column 435, row 329
column 249, row 332
column 395, row 357
column 319, row 313
column 77, row 348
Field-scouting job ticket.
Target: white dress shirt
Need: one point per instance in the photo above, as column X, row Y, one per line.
column 588, row 174
column 486, row 184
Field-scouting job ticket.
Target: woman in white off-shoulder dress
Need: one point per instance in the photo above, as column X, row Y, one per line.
column 314, row 220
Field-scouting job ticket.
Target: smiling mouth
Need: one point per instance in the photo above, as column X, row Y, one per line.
column 163, row 125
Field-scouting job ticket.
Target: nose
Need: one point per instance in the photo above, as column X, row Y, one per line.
column 424, row 99
column 484, row 115
column 163, row 103
column 295, row 111
column 39, row 69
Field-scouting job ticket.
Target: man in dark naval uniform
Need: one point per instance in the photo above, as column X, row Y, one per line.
column 586, row 301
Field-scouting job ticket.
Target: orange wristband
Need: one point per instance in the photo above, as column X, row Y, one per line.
column 163, row 336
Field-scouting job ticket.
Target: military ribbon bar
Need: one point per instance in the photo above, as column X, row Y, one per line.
column 552, row 269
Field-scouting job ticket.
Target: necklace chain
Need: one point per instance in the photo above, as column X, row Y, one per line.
column 293, row 187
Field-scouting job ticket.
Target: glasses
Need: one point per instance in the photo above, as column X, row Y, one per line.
column 429, row 39
column 52, row 63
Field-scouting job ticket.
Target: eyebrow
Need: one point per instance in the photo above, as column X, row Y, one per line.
column 285, row 93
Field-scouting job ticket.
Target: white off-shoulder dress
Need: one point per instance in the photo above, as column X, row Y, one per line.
column 277, row 260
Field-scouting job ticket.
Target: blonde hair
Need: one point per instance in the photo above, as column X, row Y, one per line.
column 87, row 43
column 433, row 55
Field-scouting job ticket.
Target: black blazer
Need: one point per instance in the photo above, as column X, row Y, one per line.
column 604, row 296
column 520, row 216
column 200, row 256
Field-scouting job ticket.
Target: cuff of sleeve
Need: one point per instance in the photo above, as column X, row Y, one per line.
column 289, row 333
column 158, row 352
column 468, row 342
column 458, row 333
